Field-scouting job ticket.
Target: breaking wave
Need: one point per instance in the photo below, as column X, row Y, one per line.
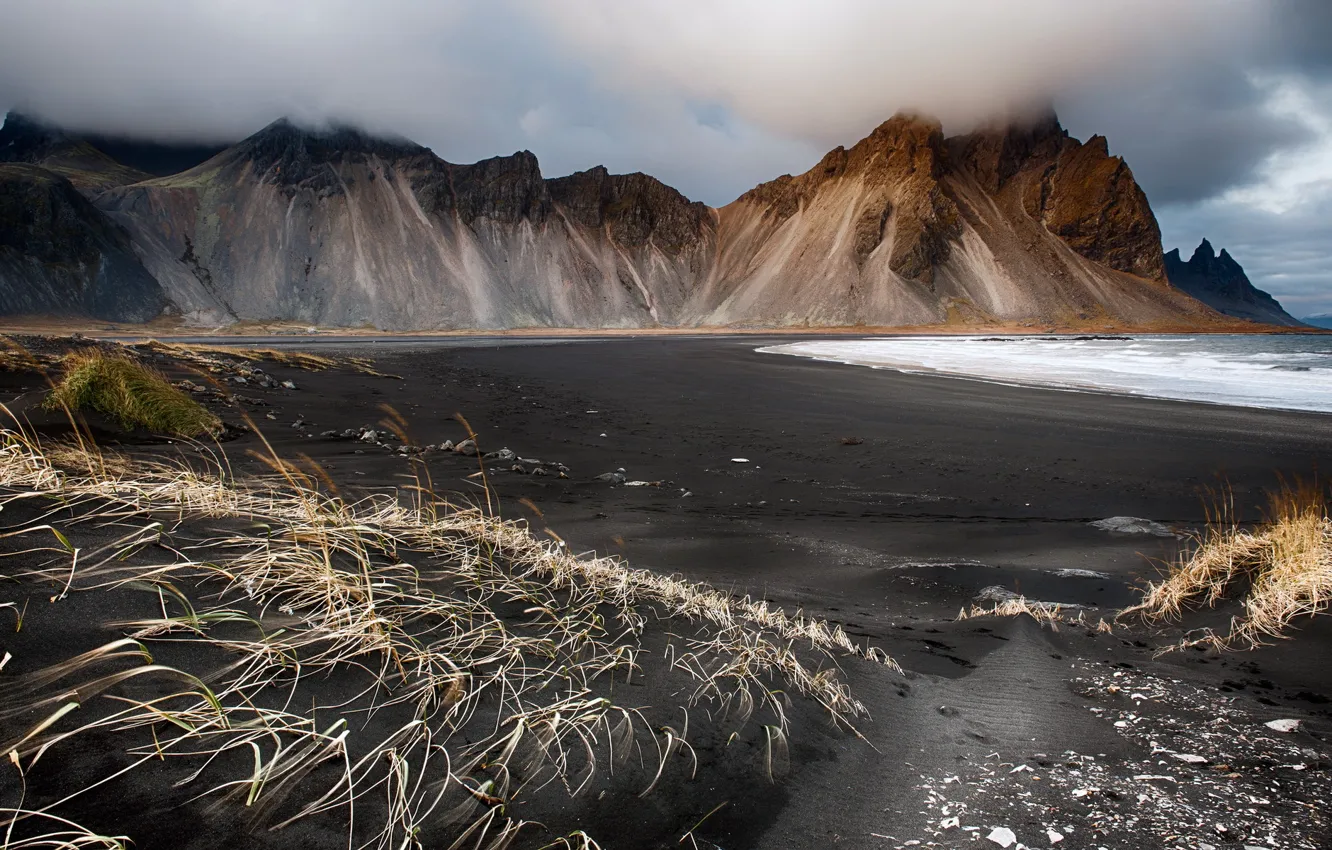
column 1288, row 372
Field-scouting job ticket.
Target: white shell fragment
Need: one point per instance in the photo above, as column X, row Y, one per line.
column 739, row 460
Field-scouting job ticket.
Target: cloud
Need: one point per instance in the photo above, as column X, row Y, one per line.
column 1278, row 221
column 829, row 71
column 716, row 88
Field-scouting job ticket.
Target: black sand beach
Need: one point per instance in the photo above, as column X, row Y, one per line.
column 887, row 502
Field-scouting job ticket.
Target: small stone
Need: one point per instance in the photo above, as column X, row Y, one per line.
column 466, row 447
column 369, row 436
column 501, row 455
column 612, row 477
column 1286, row 725
column 1003, row 836
column 1054, row 837
column 1132, row 525
column 288, row 385
column 446, row 446
column 745, row 460
column 328, row 433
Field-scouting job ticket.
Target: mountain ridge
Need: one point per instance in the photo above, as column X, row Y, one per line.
column 1220, row 282
column 339, row 227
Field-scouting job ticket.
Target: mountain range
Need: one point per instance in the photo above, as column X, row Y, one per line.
column 1016, row 223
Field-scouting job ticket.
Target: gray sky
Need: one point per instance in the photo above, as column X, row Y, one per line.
column 1222, row 107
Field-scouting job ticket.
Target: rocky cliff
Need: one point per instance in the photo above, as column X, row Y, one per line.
column 337, row 227
column 60, row 256
column 908, row 227
column 1220, row 283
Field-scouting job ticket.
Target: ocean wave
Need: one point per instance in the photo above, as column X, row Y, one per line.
column 1292, row 372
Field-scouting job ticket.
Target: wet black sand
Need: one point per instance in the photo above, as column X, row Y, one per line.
column 885, row 502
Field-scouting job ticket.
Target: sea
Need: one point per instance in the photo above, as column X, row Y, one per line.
column 1284, row 372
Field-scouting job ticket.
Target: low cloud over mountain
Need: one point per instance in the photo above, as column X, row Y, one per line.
column 1224, row 108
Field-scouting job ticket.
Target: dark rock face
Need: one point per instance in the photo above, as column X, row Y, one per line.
column 899, row 164
column 997, row 155
column 1090, row 200
column 504, row 189
column 23, row 139
column 1220, row 283
column 295, row 157
column 157, row 159
column 635, row 208
column 1082, row 194
column 59, row 255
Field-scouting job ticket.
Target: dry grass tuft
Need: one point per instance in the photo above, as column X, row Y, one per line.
column 131, row 394
column 207, row 356
column 504, row 657
column 1283, row 567
column 1042, row 612
column 1046, row 613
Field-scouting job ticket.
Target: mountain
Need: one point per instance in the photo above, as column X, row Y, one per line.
column 1322, row 320
column 908, row 227
column 156, row 159
column 59, row 255
column 94, row 162
column 1220, row 283
column 336, row 227
column 333, row 226
column 24, row 140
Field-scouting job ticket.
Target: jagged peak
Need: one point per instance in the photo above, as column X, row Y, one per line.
column 520, row 163
column 328, row 139
column 1098, row 143
column 904, row 127
column 1204, row 251
column 28, row 139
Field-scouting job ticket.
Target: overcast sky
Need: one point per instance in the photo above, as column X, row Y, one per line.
column 1223, row 108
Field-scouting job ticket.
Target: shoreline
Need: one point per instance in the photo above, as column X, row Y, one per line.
column 289, row 330
column 1034, row 383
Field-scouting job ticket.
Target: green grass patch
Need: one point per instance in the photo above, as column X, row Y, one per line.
column 132, row 394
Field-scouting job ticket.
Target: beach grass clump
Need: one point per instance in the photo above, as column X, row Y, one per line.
column 212, row 356
column 132, row 394
column 419, row 670
column 1282, row 569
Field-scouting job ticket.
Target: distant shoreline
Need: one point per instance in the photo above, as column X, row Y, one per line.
column 284, row 332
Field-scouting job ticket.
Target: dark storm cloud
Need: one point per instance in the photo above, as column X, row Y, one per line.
column 1187, row 138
